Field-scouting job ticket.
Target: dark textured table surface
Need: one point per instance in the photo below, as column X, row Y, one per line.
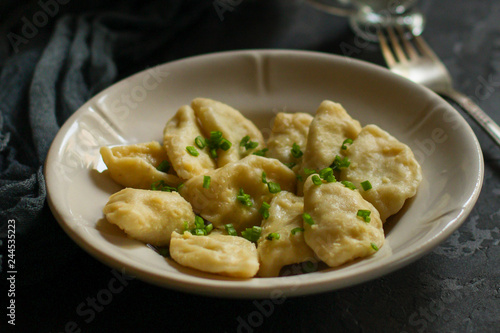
column 455, row 288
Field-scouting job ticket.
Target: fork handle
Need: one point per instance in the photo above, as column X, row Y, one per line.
column 477, row 114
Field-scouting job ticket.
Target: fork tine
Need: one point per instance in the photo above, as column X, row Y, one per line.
column 386, row 50
column 410, row 50
column 425, row 48
column 396, row 46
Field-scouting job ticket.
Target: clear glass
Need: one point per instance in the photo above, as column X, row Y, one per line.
column 366, row 16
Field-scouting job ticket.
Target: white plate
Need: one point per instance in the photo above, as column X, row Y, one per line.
column 260, row 84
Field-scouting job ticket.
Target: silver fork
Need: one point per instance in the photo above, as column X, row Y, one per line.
column 425, row 68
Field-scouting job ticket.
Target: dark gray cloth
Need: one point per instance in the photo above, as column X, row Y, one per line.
column 42, row 85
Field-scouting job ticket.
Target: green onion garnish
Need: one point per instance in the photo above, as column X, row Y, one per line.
column 206, row 181
column 264, row 210
column 252, row 234
column 264, row 177
column 192, row 150
column 299, row 177
column 181, row 185
column 375, row 247
column 316, row 180
column 348, row 184
column 364, row 214
column 261, row 152
column 198, row 222
column 327, row 174
column 308, row 219
column 186, row 225
column 349, row 141
column 230, row 230
column 213, row 153
column 296, row 152
column 245, row 142
column 308, row 171
column 296, row 230
column 366, row 185
column 244, row 198
column 200, row 229
column 200, row 142
column 225, row 144
column 273, row 235
column 162, row 186
column 164, row 166
column 340, row 163
column 290, row 165
column 273, row 187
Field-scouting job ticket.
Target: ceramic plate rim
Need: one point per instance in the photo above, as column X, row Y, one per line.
column 241, row 288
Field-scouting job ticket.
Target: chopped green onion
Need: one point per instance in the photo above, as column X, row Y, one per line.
column 198, row 222
column 192, row 150
column 349, row 141
column 200, row 229
column 163, row 166
column 316, row 180
column 215, row 138
column 308, row 219
column 366, row 185
column 264, row 210
column 200, row 142
column 296, row 230
column 230, row 230
column 162, row 186
column 245, row 142
column 261, row 152
column 206, row 181
column 375, row 247
column 348, row 184
column 299, row 177
column 252, row 234
column 308, row 171
column 327, row 174
column 225, row 144
column 244, row 198
column 296, row 152
column 364, row 214
column 290, row 165
column 273, row 235
column 264, row 177
column 273, row 187
column 181, row 185
column 340, row 163
column 186, row 225
column 213, row 153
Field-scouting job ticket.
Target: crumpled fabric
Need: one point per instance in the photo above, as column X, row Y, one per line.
column 41, row 86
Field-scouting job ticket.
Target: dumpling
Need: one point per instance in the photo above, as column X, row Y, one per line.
column 179, row 133
column 149, row 216
column 216, row 253
column 288, row 128
column 216, row 116
column 337, row 235
column 136, row 165
column 330, row 127
column 285, row 215
column 219, row 204
column 388, row 165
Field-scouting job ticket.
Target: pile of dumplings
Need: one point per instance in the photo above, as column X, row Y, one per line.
column 225, row 201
